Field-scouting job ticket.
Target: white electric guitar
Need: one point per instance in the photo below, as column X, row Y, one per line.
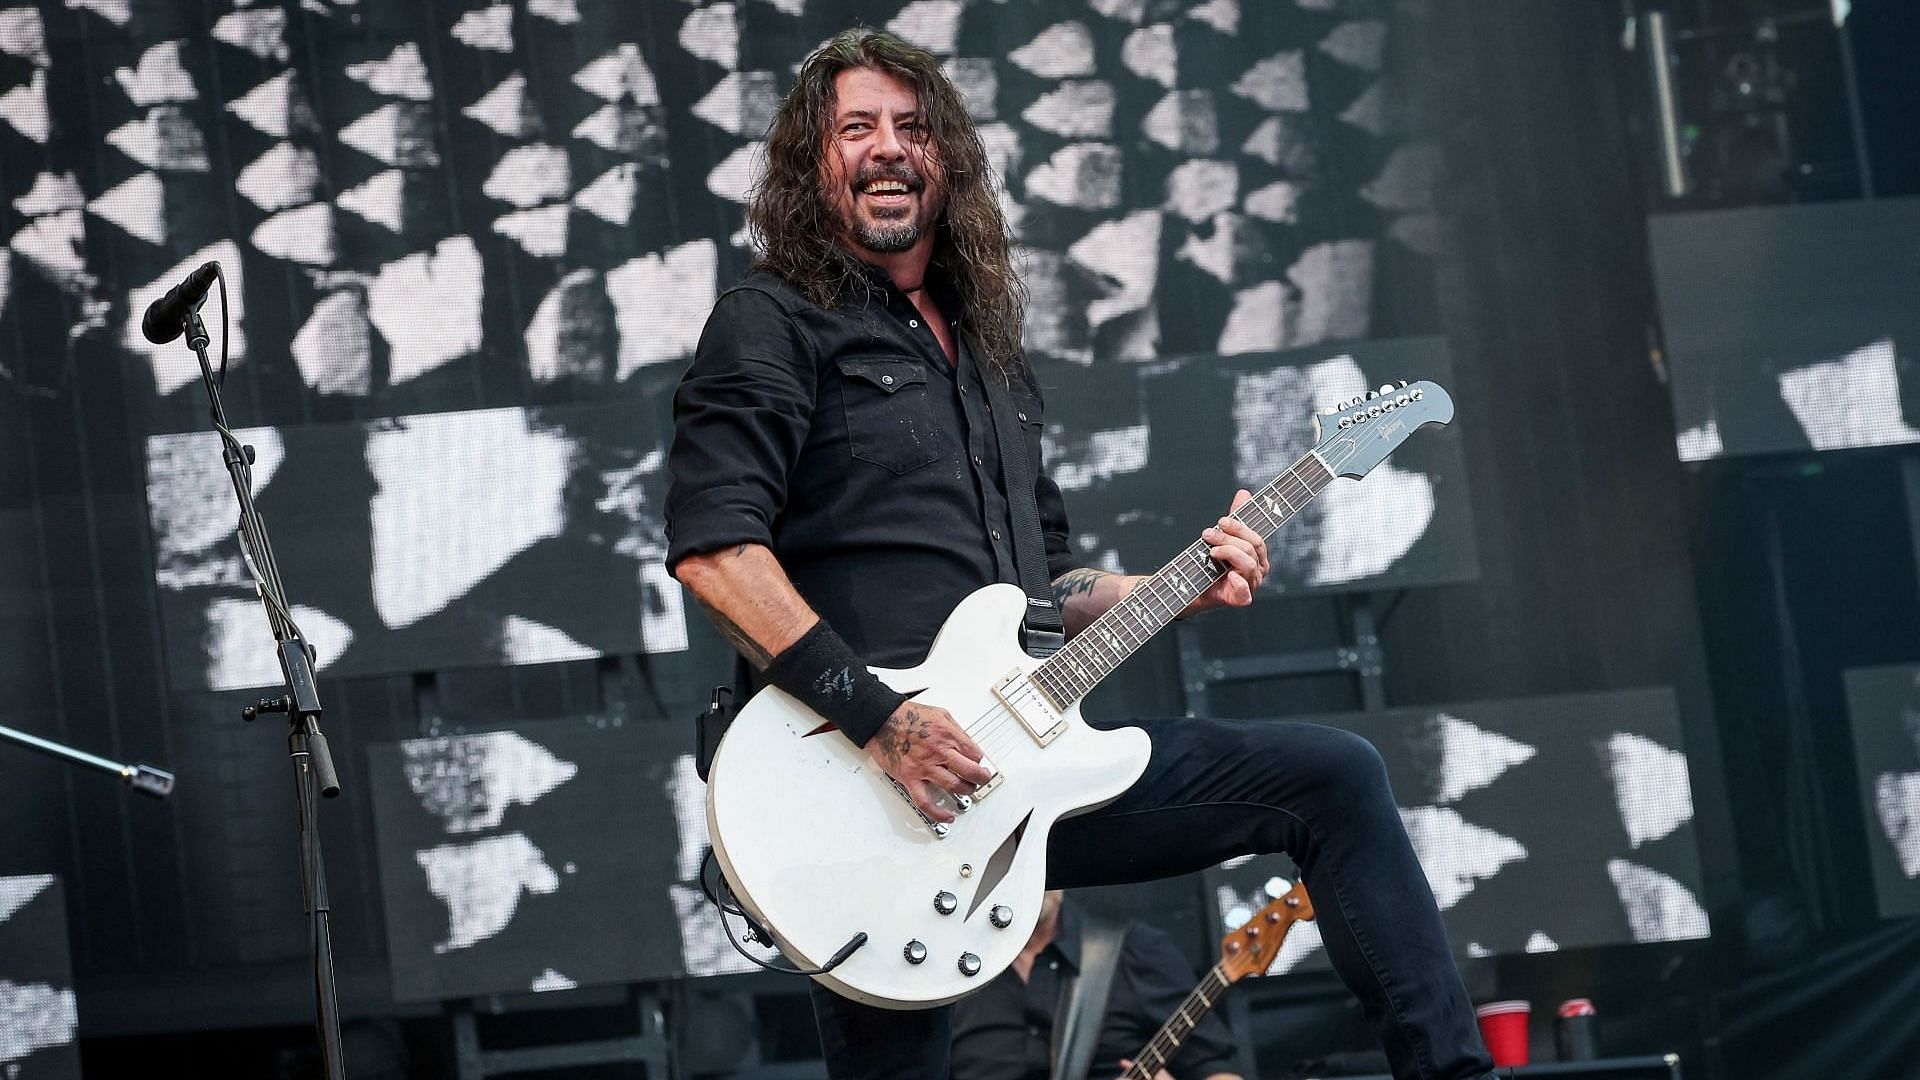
column 821, row 846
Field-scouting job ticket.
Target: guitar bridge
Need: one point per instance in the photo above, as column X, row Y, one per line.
column 956, row 804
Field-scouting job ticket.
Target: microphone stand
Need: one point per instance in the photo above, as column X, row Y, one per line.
column 139, row 776
column 312, row 763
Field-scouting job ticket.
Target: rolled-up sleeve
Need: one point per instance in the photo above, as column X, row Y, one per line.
column 740, row 417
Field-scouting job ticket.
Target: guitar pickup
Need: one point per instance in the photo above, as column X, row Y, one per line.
column 1030, row 706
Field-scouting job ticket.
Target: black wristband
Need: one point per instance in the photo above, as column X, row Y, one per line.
column 822, row 672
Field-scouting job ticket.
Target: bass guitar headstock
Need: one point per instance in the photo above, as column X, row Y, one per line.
column 1252, row 946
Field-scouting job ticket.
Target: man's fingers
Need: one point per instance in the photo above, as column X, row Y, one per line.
column 1237, row 557
column 925, row 798
column 968, row 769
column 1255, row 542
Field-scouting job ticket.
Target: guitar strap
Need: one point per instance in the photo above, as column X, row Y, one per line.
column 1042, row 631
column 1083, row 998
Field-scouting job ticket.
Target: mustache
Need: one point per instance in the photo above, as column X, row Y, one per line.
column 903, row 173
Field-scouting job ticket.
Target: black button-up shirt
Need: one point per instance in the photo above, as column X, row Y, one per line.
column 844, row 441
column 1005, row 1030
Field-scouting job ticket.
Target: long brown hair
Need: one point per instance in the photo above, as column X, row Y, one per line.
column 798, row 232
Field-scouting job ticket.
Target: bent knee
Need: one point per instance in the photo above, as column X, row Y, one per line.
column 1351, row 761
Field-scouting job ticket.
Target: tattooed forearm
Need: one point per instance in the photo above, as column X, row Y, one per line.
column 1075, row 583
column 756, row 655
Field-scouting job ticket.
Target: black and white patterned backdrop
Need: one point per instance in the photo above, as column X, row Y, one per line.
column 1883, row 705
column 1541, row 823
column 468, row 247
column 39, row 1014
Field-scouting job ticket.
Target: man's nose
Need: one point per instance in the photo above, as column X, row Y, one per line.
column 887, row 145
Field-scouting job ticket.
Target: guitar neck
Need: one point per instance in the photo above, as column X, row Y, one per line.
column 1069, row 674
column 1166, row 1042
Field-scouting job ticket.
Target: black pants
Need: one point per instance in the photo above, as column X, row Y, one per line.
column 1215, row 789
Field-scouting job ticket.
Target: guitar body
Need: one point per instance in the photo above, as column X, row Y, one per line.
column 818, row 845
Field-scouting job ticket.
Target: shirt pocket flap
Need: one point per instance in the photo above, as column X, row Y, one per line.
column 887, row 373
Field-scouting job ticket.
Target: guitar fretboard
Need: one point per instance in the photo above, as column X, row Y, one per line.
column 1068, row 675
column 1166, row 1042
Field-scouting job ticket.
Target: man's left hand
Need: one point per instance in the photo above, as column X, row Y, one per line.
column 1242, row 551
column 1126, row 1065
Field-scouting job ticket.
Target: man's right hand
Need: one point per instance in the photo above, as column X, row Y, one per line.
column 923, row 748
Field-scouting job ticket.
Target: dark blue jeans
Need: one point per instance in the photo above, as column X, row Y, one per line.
column 1215, row 789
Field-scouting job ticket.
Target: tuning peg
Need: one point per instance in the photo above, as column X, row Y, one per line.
column 1403, row 384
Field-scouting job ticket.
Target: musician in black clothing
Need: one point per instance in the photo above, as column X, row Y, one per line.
column 837, row 489
column 1005, row 1031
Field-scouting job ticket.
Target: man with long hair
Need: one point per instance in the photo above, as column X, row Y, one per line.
column 837, row 490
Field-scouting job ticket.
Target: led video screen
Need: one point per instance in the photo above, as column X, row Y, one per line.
column 1790, row 328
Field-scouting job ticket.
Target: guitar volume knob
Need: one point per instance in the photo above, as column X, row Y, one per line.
column 945, row 902
column 1001, row 916
column 969, row 964
column 915, row 952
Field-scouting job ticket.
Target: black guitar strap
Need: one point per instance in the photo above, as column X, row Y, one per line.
column 1083, row 998
column 1044, row 633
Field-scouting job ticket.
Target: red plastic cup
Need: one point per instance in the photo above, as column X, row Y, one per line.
column 1503, row 1024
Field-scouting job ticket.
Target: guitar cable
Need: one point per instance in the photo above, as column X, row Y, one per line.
column 756, row 932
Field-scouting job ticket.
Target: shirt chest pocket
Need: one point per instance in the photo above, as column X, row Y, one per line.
column 888, row 414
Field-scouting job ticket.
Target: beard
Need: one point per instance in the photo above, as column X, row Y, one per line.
column 902, row 228
column 887, row 237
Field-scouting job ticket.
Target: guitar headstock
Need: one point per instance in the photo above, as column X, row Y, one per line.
column 1251, row 947
column 1356, row 435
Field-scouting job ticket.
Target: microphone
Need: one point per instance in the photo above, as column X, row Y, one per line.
column 166, row 317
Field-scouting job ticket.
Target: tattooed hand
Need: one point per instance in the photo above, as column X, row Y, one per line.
column 923, row 748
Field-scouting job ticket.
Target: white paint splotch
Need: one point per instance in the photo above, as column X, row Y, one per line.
column 1455, row 853
column 1896, row 802
column 20, row 890
column 158, row 77
column 1650, row 787
column 1078, row 462
column 191, row 503
column 459, row 495
column 1852, row 401
column 33, row 1017
column 481, row 884
column 470, row 781
column 1658, row 908
column 427, row 306
column 661, row 301
column 239, row 642
column 1466, row 757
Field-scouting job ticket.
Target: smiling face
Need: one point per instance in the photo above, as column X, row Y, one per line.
column 883, row 174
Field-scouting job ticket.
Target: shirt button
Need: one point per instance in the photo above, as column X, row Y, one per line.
column 963, row 388
column 976, row 459
column 888, row 380
column 995, row 533
column 915, row 323
column 1023, row 416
